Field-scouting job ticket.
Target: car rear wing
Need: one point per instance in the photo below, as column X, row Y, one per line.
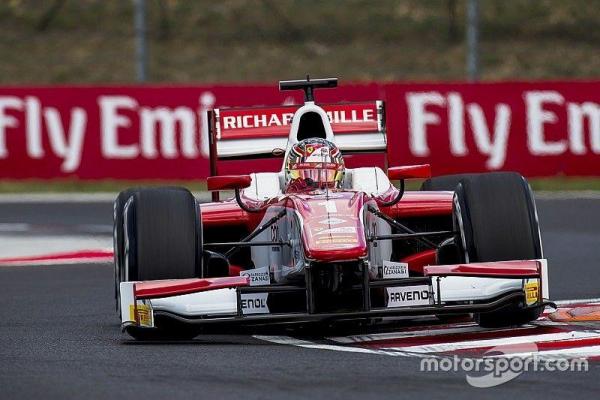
column 247, row 133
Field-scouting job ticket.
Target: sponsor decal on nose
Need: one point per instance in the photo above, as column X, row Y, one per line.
column 394, row 270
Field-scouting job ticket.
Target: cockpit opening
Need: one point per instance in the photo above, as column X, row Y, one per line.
column 311, row 126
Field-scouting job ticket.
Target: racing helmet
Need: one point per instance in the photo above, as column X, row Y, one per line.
column 314, row 163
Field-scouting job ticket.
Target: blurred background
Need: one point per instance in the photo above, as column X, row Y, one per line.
column 489, row 65
column 94, row 41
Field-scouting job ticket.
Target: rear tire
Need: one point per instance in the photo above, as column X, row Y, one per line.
column 496, row 216
column 444, row 182
column 161, row 239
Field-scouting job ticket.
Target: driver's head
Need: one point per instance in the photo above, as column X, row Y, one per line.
column 315, row 163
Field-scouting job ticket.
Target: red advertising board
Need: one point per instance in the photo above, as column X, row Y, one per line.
column 538, row 129
column 159, row 132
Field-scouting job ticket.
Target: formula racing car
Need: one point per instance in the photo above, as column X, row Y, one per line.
column 325, row 238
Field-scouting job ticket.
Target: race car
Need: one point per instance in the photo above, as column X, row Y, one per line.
column 324, row 238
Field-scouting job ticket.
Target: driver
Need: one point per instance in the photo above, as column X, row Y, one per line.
column 314, row 164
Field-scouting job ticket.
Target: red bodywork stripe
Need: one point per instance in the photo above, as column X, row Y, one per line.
column 80, row 256
column 234, row 270
column 519, row 269
column 413, row 204
column 416, row 262
column 176, row 287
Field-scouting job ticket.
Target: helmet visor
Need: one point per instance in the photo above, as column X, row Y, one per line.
column 317, row 174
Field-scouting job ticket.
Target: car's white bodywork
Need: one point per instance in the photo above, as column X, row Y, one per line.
column 284, row 263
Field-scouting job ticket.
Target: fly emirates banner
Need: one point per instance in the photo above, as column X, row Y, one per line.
column 161, row 132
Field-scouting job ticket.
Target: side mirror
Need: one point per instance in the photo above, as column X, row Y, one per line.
column 228, row 182
column 232, row 182
column 409, row 172
column 406, row 172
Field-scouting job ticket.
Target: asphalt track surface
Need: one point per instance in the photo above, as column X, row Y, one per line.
column 60, row 338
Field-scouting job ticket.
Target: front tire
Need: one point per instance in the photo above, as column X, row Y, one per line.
column 161, row 239
column 496, row 216
column 162, row 235
column 118, row 246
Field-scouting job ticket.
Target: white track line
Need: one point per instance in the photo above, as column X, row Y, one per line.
column 474, row 344
column 286, row 340
column 471, row 328
column 45, row 247
column 548, row 355
column 577, row 301
column 83, row 229
column 99, row 197
column 68, row 261
column 433, row 349
column 14, row 227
